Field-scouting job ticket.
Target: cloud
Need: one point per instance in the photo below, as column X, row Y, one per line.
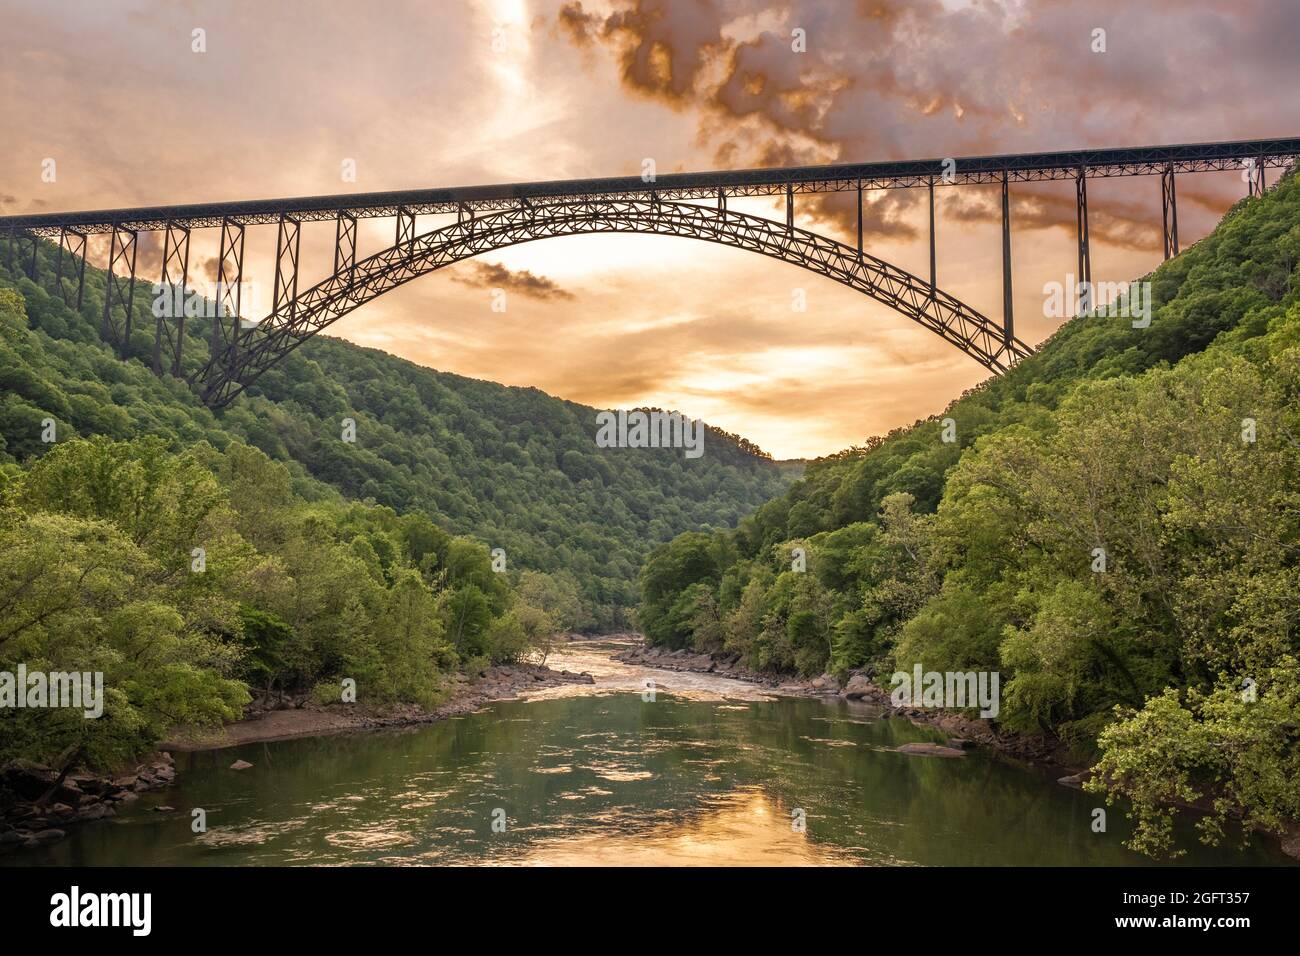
column 592, row 88
column 885, row 79
column 492, row 275
column 663, row 47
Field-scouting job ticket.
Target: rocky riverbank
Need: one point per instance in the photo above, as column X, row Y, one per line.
column 963, row 731
column 278, row 719
column 37, row 807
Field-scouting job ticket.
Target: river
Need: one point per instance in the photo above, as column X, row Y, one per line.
column 710, row 771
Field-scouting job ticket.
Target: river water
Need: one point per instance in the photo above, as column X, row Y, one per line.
column 711, row 771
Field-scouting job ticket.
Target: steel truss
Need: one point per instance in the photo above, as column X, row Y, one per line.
column 1084, row 276
column 286, row 263
column 1255, row 176
column 175, row 283
column 1169, row 209
column 681, row 204
column 230, row 279
column 121, row 259
column 14, row 238
column 72, row 243
column 345, row 242
column 841, row 177
column 230, row 371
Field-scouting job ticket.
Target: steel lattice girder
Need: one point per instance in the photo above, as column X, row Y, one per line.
column 121, row 257
column 230, row 281
column 74, row 244
column 261, row 347
column 1169, row 212
column 1023, row 167
column 174, row 281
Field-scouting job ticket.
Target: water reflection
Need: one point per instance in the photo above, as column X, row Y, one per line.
column 708, row 772
column 742, row 828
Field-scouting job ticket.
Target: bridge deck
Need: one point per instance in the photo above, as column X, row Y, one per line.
column 1022, row 167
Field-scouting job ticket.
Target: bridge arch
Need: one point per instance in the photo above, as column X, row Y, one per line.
column 252, row 351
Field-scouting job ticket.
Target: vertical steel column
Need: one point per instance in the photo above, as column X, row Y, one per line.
column 405, row 225
column 58, row 264
column 789, row 207
column 932, row 256
column 121, row 254
column 1008, row 326
column 722, row 201
column 36, row 244
column 1084, row 276
column 105, row 327
column 286, row 265
column 345, row 243
column 1255, row 178
column 465, row 213
column 859, row 220
column 81, row 272
column 175, row 258
column 75, row 244
column 230, row 275
column 1169, row 208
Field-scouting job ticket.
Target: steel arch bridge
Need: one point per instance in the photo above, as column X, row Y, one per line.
column 691, row 205
column 255, row 350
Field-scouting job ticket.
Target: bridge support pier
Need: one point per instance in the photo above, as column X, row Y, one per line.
column 345, row 243
column 405, row 225
column 789, row 206
column 466, row 213
column 1008, row 324
column 286, row 264
column 1169, row 207
column 230, row 277
column 933, row 278
column 121, row 256
column 75, row 245
column 1255, row 178
column 28, row 262
column 1084, row 276
column 859, row 220
column 175, row 279
column 32, row 262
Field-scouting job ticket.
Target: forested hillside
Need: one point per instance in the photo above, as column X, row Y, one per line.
column 189, row 574
column 1115, row 528
column 193, row 557
column 513, row 467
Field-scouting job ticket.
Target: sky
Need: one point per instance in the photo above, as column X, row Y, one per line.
column 283, row 96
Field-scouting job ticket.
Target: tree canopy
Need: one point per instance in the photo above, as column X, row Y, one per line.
column 1115, row 529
